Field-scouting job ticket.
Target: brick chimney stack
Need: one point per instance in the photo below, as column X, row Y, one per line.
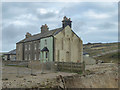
column 66, row 22
column 28, row 35
column 44, row 28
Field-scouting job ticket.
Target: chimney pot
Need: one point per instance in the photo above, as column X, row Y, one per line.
column 44, row 28
column 28, row 35
column 66, row 22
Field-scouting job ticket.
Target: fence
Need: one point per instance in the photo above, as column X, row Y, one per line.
column 15, row 63
column 70, row 67
column 38, row 67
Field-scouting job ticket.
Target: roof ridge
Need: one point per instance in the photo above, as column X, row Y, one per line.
column 46, row 32
column 42, row 35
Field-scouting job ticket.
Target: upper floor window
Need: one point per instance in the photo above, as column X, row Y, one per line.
column 35, row 46
column 29, row 46
column 25, row 47
column 18, row 47
column 45, row 42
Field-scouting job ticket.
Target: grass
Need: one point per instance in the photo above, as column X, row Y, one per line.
column 103, row 47
column 99, row 48
column 111, row 57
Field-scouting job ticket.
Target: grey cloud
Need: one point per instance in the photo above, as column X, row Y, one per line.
column 107, row 25
column 46, row 16
column 81, row 24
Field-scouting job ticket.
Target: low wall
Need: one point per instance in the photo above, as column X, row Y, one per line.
column 18, row 63
column 88, row 60
column 70, row 67
column 41, row 65
column 53, row 66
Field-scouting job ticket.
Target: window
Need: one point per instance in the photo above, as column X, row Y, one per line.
column 35, row 46
column 46, row 54
column 29, row 56
column 19, row 48
column 26, row 57
column 35, row 57
column 29, row 46
column 45, row 42
column 25, row 47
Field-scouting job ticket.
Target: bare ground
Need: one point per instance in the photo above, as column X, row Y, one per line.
column 24, row 79
column 96, row 76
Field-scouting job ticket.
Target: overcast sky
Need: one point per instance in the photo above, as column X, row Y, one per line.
column 92, row 21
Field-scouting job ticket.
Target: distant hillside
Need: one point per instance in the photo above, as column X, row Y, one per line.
column 102, row 51
column 1, row 53
column 111, row 57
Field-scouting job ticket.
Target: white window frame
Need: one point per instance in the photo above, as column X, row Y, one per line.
column 18, row 47
column 35, row 46
column 25, row 47
column 29, row 46
column 45, row 42
column 26, row 57
column 29, row 57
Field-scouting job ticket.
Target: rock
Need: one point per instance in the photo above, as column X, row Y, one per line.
column 29, row 81
column 5, row 79
column 38, row 83
column 33, row 74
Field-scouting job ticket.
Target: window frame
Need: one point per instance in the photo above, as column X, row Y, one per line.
column 25, row 47
column 35, row 46
column 29, row 46
column 29, row 57
column 45, row 42
column 35, row 57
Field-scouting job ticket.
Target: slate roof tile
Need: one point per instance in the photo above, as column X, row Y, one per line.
column 42, row 35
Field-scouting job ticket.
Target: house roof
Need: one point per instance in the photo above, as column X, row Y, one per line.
column 12, row 52
column 42, row 35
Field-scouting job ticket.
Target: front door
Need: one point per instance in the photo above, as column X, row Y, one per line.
column 46, row 56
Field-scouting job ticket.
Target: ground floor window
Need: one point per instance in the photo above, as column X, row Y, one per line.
column 29, row 56
column 26, row 57
column 35, row 57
